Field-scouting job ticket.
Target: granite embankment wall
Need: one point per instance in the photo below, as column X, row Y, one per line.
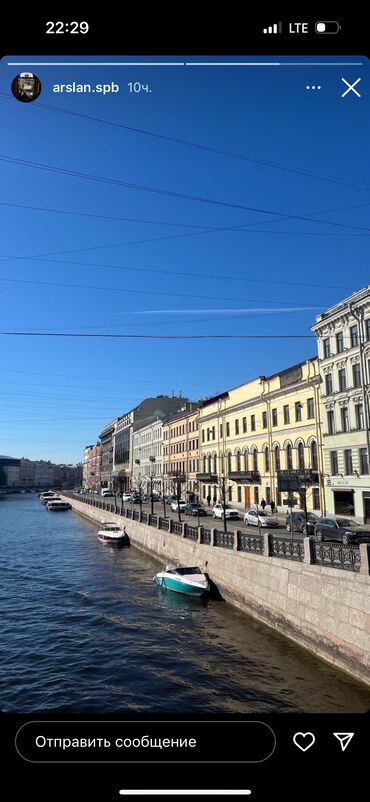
column 324, row 609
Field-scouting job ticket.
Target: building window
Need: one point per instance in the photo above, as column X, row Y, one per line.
column 367, row 328
column 353, row 333
column 202, row 435
column 328, row 384
column 315, row 498
column 342, row 379
column 348, row 466
column 326, row 347
column 268, row 495
column 204, row 465
column 289, row 460
column 359, row 416
column 356, row 374
column 256, row 495
column 236, row 426
column 245, row 460
column 244, row 425
column 286, row 413
column 209, row 465
column 228, row 430
column 214, row 463
column 344, row 419
column 267, row 459
column 238, row 462
column 274, row 417
column 239, row 494
column 300, row 456
column 221, row 431
column 310, row 408
column 298, row 410
column 314, row 460
column 339, row 339
column 364, row 464
column 264, row 420
column 255, row 460
column 229, row 469
column 253, row 423
column 334, row 463
column 277, row 458
column 330, row 416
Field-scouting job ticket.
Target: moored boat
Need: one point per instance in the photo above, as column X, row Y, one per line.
column 190, row 581
column 111, row 534
column 56, row 505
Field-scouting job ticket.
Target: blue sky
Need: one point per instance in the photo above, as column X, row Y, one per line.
column 160, row 268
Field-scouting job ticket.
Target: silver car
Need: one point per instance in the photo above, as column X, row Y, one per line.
column 254, row 518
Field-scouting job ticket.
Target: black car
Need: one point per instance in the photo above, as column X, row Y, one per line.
column 299, row 522
column 136, row 498
column 192, row 508
column 343, row 530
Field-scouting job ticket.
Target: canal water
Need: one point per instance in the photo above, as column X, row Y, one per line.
column 85, row 628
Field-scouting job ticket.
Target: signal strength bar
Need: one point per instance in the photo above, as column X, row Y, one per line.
column 277, row 27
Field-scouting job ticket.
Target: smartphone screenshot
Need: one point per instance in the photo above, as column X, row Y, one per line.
column 184, row 406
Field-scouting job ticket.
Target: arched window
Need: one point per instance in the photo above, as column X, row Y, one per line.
column 300, row 456
column 214, row 463
column 209, row 464
column 229, row 463
column 204, row 465
column 277, row 458
column 289, row 460
column 238, row 462
column 314, row 460
column 267, row 459
column 255, row 460
column 245, row 460
column 222, row 464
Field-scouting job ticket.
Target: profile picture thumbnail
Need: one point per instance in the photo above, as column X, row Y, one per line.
column 26, row 87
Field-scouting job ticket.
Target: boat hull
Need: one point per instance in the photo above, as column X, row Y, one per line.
column 169, row 583
column 109, row 541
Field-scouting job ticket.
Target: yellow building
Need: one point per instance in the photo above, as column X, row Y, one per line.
column 251, row 432
column 181, row 451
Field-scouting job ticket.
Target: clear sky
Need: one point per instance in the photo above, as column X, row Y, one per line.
column 143, row 260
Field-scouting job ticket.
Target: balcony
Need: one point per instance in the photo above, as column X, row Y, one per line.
column 293, row 480
column 245, row 477
column 209, row 478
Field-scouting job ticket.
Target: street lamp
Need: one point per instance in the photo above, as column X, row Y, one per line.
column 151, row 479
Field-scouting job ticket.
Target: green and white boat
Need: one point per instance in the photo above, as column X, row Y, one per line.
column 190, row 581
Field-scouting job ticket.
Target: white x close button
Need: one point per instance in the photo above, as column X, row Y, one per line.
column 351, row 87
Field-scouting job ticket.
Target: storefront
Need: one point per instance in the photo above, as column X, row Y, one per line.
column 349, row 497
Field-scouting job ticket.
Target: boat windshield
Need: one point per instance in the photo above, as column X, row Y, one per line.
column 183, row 571
column 111, row 529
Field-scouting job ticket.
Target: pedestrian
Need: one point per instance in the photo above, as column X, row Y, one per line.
column 263, row 504
column 272, row 505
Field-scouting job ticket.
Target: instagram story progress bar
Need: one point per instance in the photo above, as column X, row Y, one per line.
column 186, row 792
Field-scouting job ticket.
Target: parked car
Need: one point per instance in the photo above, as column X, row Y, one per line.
column 170, row 499
column 254, row 518
column 106, row 492
column 299, row 522
column 343, row 530
column 126, row 496
column 230, row 512
column 176, row 504
column 192, row 508
column 136, row 498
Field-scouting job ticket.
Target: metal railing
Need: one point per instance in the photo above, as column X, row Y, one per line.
column 177, row 527
column 288, row 549
column 191, row 532
column 164, row 523
column 251, row 543
column 223, row 539
column 205, row 536
column 336, row 555
column 152, row 520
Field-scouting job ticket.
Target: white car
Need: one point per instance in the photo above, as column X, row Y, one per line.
column 126, row 496
column 254, row 518
column 176, row 504
column 230, row 512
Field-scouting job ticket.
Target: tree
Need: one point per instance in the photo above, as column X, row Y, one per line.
column 177, row 480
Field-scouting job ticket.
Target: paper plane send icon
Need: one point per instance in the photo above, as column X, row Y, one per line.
column 344, row 738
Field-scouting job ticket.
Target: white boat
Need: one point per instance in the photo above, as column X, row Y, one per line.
column 190, row 581
column 111, row 534
column 56, row 505
column 48, row 496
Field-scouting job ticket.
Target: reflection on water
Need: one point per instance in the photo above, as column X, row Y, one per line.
column 87, row 629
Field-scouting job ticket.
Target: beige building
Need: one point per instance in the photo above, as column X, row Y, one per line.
column 147, row 465
column 252, row 433
column 343, row 334
column 181, row 452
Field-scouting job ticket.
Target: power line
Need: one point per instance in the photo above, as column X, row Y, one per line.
column 200, row 146
column 167, row 193
column 179, row 294
column 162, row 336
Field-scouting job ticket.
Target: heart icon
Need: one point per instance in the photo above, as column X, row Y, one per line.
column 304, row 740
